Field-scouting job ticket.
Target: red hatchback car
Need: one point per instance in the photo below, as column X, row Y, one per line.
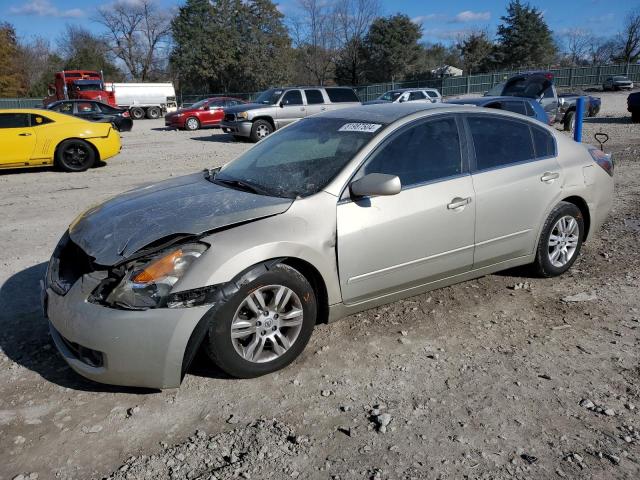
column 205, row 113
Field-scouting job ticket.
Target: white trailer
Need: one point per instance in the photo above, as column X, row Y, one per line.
column 144, row 99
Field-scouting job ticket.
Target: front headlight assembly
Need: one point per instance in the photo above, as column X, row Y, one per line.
column 242, row 115
column 147, row 282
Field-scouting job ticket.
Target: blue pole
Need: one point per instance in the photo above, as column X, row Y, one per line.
column 577, row 131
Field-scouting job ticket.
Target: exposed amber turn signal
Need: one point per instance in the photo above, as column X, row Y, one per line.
column 160, row 268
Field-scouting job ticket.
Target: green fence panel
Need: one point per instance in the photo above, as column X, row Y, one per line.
column 20, row 102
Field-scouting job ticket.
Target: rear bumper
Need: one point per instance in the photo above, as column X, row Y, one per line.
column 240, row 129
column 135, row 348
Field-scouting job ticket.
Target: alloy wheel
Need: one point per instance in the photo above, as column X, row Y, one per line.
column 75, row 155
column 192, row 124
column 563, row 241
column 262, row 131
column 267, row 323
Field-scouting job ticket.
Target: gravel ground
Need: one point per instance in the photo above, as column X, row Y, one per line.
column 502, row 377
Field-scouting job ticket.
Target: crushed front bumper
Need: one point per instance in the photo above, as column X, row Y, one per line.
column 120, row 347
column 238, row 129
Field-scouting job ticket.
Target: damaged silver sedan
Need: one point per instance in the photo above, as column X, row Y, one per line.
column 337, row 213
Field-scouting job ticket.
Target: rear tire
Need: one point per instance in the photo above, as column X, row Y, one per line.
column 74, row 156
column 265, row 338
column 260, row 129
column 635, row 116
column 137, row 113
column 153, row 113
column 560, row 241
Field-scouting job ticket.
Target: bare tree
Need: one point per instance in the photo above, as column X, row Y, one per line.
column 137, row 33
column 600, row 50
column 353, row 19
column 315, row 36
column 576, row 44
column 629, row 38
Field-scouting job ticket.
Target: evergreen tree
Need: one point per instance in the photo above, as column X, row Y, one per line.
column 476, row 52
column 391, row 48
column 524, row 38
column 12, row 80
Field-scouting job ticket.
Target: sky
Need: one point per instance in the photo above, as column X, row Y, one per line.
column 442, row 21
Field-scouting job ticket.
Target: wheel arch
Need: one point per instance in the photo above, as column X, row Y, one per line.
column 228, row 289
column 584, row 210
column 96, row 152
column 267, row 118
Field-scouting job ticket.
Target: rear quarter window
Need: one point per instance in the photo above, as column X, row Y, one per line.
column 341, row 95
column 500, row 142
column 544, row 143
column 38, row 120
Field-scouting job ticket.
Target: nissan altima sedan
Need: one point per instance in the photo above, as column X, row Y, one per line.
column 334, row 214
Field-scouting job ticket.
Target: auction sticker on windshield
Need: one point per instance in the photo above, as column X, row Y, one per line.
column 360, row 127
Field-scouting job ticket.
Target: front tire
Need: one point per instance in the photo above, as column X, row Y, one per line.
column 569, row 121
column 192, row 123
column 265, row 325
column 635, row 116
column 260, row 129
column 560, row 241
column 75, row 156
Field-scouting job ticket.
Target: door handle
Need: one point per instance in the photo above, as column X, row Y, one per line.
column 458, row 203
column 549, row 177
column 24, row 134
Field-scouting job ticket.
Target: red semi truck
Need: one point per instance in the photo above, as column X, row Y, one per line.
column 86, row 84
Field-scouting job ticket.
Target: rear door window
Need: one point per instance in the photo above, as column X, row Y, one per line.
column 422, row 153
column 87, row 107
column 341, row 95
column 14, row 120
column 416, row 96
column 432, row 94
column 500, row 142
column 314, row 97
column 292, row 97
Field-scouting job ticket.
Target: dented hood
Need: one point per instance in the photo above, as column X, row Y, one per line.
column 189, row 205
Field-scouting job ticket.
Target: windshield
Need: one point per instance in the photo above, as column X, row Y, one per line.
column 83, row 87
column 269, row 97
column 199, row 104
column 301, row 159
column 390, row 96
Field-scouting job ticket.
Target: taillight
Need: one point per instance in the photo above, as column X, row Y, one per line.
column 602, row 159
column 125, row 114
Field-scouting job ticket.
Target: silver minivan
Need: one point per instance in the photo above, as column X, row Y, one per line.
column 278, row 107
column 340, row 212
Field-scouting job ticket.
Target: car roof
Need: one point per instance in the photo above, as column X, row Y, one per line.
column 414, row 89
column 483, row 100
column 386, row 112
column 41, row 111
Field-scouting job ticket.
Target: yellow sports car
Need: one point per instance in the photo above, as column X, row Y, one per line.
column 34, row 137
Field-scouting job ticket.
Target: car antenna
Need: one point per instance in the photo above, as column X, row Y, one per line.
column 605, row 138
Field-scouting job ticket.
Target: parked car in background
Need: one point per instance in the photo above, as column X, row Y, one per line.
column 539, row 85
column 633, row 106
column 95, row 111
column 277, row 107
column 339, row 212
column 401, row 95
column 36, row 137
column 617, row 82
column 202, row 114
column 524, row 106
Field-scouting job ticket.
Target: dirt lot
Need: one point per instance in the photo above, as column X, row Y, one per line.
column 494, row 378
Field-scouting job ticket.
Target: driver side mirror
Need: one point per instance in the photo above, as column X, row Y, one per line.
column 562, row 101
column 375, row 185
